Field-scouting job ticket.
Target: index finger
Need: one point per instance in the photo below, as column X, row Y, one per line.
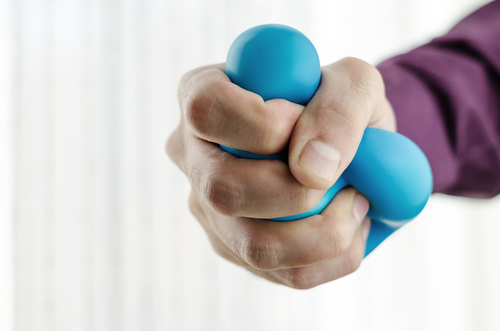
column 221, row 112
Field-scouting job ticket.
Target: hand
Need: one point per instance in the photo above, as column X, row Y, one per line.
column 232, row 197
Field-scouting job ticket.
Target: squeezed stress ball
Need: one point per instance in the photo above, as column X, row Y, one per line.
column 277, row 61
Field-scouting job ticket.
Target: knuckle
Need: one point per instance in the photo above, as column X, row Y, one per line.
column 199, row 112
column 302, row 278
column 274, row 134
column 174, row 147
column 259, row 252
column 362, row 70
column 208, row 109
column 339, row 240
column 353, row 259
column 267, row 131
column 366, row 80
column 224, row 196
column 193, row 204
column 307, row 199
column 170, row 144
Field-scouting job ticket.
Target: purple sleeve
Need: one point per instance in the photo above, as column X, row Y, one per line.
column 446, row 96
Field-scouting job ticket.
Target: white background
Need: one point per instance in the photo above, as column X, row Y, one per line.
column 95, row 233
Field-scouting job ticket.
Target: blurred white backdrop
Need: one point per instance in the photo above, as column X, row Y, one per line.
column 95, row 233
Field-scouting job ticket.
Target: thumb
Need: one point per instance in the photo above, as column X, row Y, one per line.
column 326, row 137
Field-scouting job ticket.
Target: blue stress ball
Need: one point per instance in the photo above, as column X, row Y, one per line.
column 277, row 61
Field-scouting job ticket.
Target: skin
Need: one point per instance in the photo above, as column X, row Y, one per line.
column 232, row 197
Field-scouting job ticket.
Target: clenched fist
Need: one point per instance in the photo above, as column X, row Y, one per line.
column 233, row 197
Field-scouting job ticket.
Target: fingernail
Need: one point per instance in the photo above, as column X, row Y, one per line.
column 320, row 159
column 360, row 207
column 366, row 228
